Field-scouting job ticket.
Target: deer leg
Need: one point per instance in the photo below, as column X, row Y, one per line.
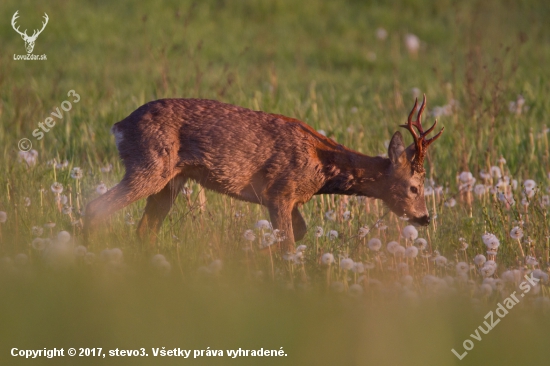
column 298, row 224
column 158, row 206
column 133, row 187
column 281, row 219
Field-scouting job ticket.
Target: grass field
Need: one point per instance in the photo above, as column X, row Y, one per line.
column 349, row 68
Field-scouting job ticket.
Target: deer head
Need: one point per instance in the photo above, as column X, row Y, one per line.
column 407, row 174
column 29, row 40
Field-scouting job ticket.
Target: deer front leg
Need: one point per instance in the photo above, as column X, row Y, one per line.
column 281, row 219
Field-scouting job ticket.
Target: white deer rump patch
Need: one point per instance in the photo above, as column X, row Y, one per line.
column 118, row 136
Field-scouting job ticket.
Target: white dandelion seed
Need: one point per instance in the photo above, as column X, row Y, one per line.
column 381, row 33
column 451, row 202
column 428, row 191
column 346, row 215
column 346, row 264
column 465, row 177
column 480, row 259
column 412, row 42
column 77, row 173
column 263, row 225
column 490, row 241
column 330, row 215
column 249, row 235
column 363, row 231
column 327, row 259
column 516, row 233
column 101, row 188
column 495, row 172
column 440, row 260
column 421, row 243
column 332, row 234
column 80, row 251
column 57, row 188
column 375, row 244
column 301, row 248
column 319, row 232
column 480, row 190
column 392, row 247
column 37, row 231
column 39, row 244
column 63, row 237
column 411, row 252
column 358, row 267
column 531, row 261
column 462, row 267
column 409, row 232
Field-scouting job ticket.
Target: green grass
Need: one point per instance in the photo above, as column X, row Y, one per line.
column 313, row 60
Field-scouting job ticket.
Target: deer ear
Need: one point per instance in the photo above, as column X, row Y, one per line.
column 396, row 147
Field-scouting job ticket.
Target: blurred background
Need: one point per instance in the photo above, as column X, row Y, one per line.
column 350, row 68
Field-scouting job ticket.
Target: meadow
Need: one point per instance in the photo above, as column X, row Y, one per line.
column 363, row 287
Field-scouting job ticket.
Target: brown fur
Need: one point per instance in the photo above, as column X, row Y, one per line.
column 264, row 158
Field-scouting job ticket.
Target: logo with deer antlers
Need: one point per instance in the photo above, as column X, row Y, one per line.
column 29, row 40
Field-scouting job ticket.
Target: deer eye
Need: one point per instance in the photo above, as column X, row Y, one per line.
column 414, row 190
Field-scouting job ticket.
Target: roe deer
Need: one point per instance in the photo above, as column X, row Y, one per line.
column 269, row 159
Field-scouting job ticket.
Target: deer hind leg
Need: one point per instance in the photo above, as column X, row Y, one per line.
column 281, row 219
column 133, row 187
column 299, row 226
column 158, row 206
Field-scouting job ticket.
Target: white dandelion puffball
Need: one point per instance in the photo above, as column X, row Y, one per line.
column 358, row 267
column 363, row 231
column 400, row 251
column 77, row 173
column 330, row 215
column 319, row 232
column 80, row 251
column 392, row 247
column 332, row 234
column 487, row 271
column 411, row 252
column 421, row 243
column 355, row 290
column 375, row 244
column 451, row 202
column 428, row 191
column 346, row 264
column 466, row 177
column 531, row 261
column 495, row 172
column 249, row 235
column 412, row 43
column 3, row 217
column 410, row 232
column 327, row 259
column 480, row 259
column 346, row 215
column 440, row 260
column 529, row 185
column 57, row 188
column 301, row 248
column 39, row 244
column 490, row 241
column 263, row 225
column 101, row 188
column 268, row 239
column 381, row 33
column 37, row 231
column 480, row 190
column 462, row 267
column 63, row 237
column 516, row 233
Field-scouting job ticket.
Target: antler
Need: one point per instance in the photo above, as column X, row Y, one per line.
column 13, row 19
column 420, row 141
column 35, row 34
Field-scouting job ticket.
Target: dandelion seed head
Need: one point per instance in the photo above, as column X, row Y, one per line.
column 411, row 252
column 263, row 225
column 409, row 232
column 375, row 244
column 327, row 259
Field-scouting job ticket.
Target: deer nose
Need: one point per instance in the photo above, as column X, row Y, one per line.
column 424, row 220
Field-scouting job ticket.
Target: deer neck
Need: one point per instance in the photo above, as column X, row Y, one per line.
column 351, row 173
